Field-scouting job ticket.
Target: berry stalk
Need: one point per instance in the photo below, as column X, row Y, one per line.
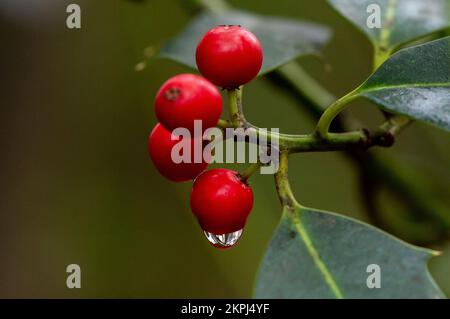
column 249, row 171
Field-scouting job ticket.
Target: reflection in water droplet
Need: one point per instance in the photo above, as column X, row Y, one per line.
column 224, row 240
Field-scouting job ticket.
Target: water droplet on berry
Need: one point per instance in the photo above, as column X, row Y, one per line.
column 224, row 240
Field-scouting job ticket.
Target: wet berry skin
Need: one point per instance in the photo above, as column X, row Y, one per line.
column 221, row 201
column 229, row 56
column 185, row 98
column 160, row 149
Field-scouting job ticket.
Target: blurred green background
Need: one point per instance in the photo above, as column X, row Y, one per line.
column 77, row 184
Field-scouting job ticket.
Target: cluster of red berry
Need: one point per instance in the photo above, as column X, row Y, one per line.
column 227, row 56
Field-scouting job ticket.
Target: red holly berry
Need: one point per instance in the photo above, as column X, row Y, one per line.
column 160, row 146
column 229, row 56
column 221, row 201
column 185, row 98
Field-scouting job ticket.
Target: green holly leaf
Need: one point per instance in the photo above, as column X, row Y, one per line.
column 402, row 21
column 282, row 39
column 316, row 254
column 414, row 82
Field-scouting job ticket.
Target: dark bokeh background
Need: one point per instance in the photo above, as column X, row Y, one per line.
column 76, row 182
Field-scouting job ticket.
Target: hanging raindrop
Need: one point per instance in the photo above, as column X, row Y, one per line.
column 224, row 240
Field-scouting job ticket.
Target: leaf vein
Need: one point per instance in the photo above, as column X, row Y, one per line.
column 362, row 90
column 316, row 258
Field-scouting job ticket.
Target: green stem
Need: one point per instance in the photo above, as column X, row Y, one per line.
column 235, row 107
column 284, row 190
column 250, row 170
column 331, row 112
column 333, row 142
column 305, row 143
column 394, row 125
column 223, row 124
